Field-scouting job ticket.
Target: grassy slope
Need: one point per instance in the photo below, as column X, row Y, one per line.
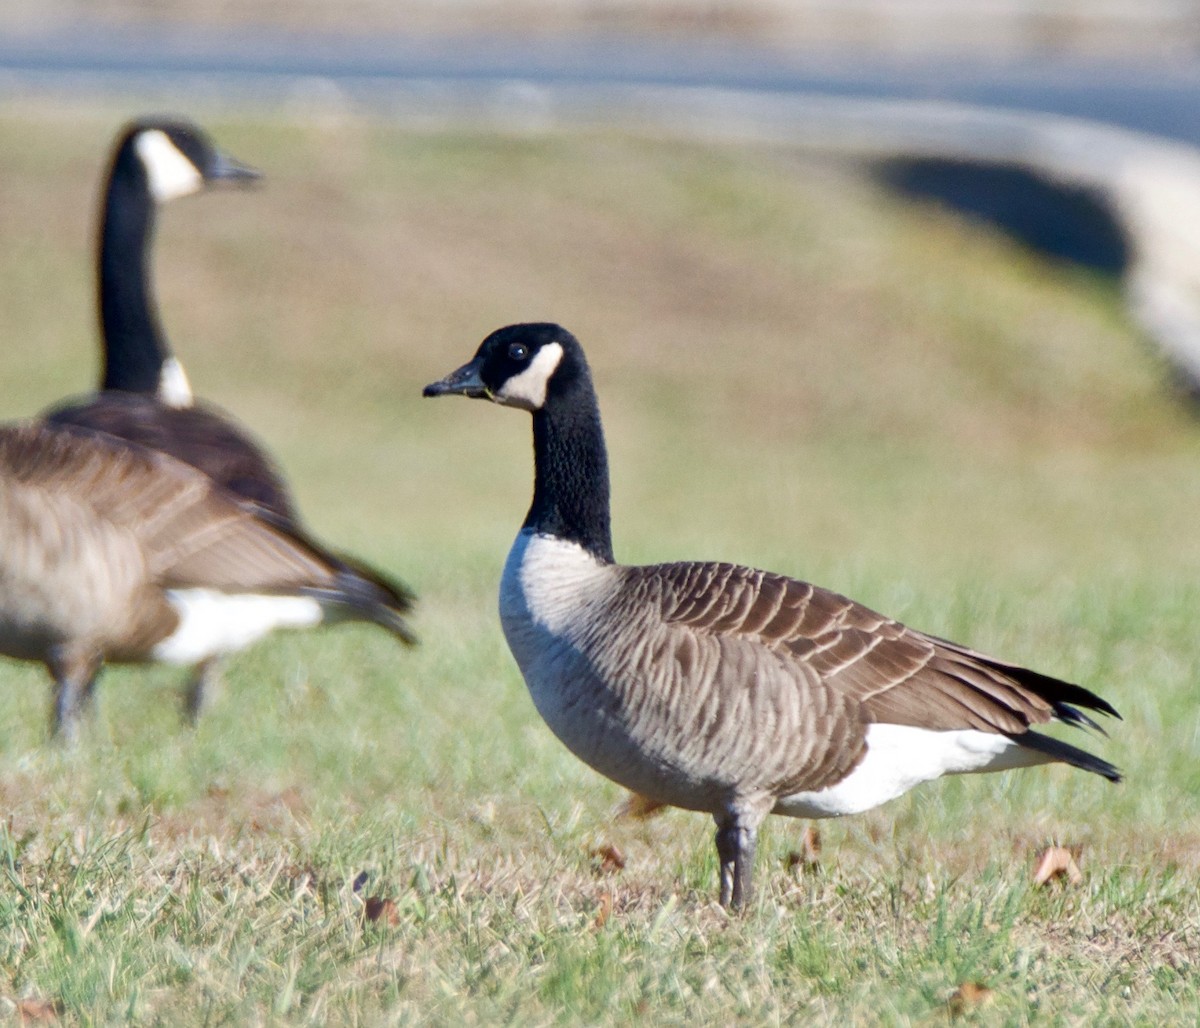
column 796, row 373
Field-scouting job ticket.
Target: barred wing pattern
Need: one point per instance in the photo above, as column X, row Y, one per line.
column 200, row 435
column 784, row 677
column 189, row 530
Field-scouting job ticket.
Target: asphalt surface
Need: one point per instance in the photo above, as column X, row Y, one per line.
column 1091, row 161
column 1153, row 97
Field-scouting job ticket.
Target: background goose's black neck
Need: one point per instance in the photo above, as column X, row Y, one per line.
column 571, row 490
column 134, row 350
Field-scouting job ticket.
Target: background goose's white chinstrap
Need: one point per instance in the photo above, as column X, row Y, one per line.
column 722, row 688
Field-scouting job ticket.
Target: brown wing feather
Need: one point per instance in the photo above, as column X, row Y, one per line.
column 738, row 699
column 191, row 532
column 891, row 673
column 200, row 435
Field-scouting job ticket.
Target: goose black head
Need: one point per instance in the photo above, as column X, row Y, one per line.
column 175, row 158
column 518, row 366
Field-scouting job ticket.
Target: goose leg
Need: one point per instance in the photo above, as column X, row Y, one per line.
column 737, row 836
column 199, row 689
column 75, row 677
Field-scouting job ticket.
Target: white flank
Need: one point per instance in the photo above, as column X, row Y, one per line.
column 901, row 756
column 173, row 387
column 213, row 622
column 170, row 173
column 528, row 389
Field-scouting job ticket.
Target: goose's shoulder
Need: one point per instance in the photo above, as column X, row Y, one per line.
column 187, row 527
column 94, row 468
column 201, row 435
column 734, row 599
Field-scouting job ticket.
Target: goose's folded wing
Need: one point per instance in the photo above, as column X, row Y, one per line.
column 199, row 435
column 191, row 531
column 896, row 674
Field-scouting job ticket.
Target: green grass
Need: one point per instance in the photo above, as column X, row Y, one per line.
column 797, row 372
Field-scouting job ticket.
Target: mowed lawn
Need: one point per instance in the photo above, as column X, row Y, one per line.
column 798, row 372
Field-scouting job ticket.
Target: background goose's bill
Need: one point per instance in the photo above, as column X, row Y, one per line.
column 228, row 169
column 464, row 381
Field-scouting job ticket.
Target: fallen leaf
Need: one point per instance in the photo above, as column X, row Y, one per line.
column 378, row 909
column 38, row 1011
column 639, row 807
column 1058, row 862
column 608, row 858
column 967, row 997
column 605, row 909
column 809, row 854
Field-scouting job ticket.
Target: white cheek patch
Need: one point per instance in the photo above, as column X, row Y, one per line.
column 170, row 173
column 173, row 387
column 528, row 389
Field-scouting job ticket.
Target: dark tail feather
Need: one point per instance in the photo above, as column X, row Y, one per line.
column 358, row 591
column 366, row 595
column 1068, row 754
column 1065, row 697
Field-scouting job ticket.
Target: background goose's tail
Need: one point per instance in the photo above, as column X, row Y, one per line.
column 360, row 593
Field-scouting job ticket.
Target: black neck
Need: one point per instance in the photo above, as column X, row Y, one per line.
column 134, row 349
column 570, row 491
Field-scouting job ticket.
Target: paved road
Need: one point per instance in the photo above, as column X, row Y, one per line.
column 1147, row 97
column 1115, row 147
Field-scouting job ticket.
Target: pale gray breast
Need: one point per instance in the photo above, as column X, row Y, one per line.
column 683, row 714
column 550, row 592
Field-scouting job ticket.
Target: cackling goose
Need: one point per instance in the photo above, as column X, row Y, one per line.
column 145, row 398
column 720, row 688
column 113, row 552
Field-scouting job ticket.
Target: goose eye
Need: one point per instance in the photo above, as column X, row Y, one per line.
column 517, row 351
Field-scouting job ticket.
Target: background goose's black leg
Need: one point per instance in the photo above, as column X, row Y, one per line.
column 200, row 689
column 75, row 677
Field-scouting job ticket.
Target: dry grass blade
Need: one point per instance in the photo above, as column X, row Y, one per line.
column 604, row 910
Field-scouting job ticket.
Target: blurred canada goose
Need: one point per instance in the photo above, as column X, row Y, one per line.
column 719, row 688
column 145, row 398
column 112, row 552
column 144, row 393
